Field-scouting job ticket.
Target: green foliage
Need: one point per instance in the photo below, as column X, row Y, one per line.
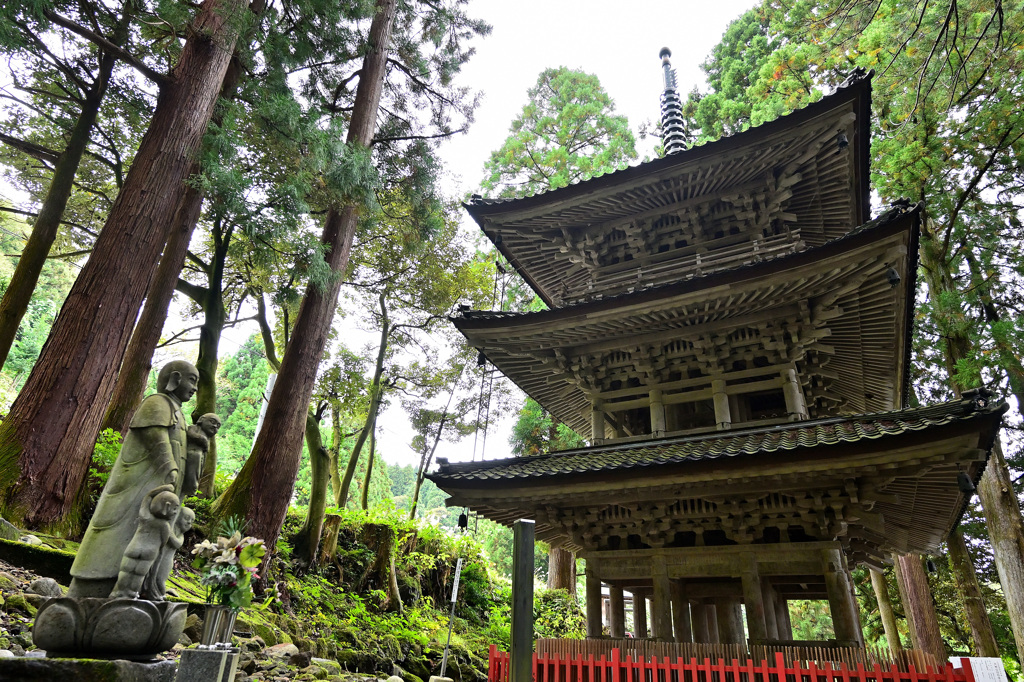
column 536, row 432
column 568, row 131
column 556, row 613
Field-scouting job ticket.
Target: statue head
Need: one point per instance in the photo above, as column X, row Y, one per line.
column 178, row 378
column 164, row 505
column 186, row 517
column 209, row 423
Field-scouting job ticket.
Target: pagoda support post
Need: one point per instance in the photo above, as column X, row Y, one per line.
column 841, row 603
column 639, row 614
column 730, row 621
column 680, row 613
column 616, row 612
column 771, row 620
column 657, row 414
column 594, row 624
column 796, row 405
column 782, row 617
column 661, row 602
column 711, row 613
column 521, row 649
column 597, row 424
column 753, row 600
column 723, row 417
column 699, row 623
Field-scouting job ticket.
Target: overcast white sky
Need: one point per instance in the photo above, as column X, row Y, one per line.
column 619, row 42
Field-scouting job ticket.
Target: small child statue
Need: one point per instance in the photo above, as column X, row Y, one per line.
column 154, row 587
column 199, row 435
column 156, row 516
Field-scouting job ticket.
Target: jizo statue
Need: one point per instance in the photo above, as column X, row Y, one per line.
column 145, row 486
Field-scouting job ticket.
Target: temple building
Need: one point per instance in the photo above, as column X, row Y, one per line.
column 730, row 328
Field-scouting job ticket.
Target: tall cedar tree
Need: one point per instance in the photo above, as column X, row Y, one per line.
column 46, row 441
column 264, row 485
column 568, row 131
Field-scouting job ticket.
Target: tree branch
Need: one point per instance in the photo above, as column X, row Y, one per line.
column 127, row 57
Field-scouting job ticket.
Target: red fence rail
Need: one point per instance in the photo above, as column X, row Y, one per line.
column 562, row 668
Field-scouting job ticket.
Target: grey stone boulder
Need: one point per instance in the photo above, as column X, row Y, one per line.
column 47, row 587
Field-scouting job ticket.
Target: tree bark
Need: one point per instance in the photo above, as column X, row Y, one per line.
column 364, row 494
column 380, row 574
column 335, row 453
column 967, row 583
column 561, row 570
column 46, row 442
column 920, row 609
column 308, row 538
column 44, row 231
column 275, row 458
column 138, row 359
column 892, row 633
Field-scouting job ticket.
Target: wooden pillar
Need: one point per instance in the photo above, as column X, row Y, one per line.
column 711, row 613
column 521, row 650
column 699, row 624
column 617, row 612
column 661, row 602
column 639, row 614
column 723, row 418
column 597, row 424
column 796, row 405
column 892, row 633
column 782, row 616
column 593, row 604
column 680, row 613
column 657, row 414
column 753, row 600
column 770, row 619
column 843, row 607
column 730, row 621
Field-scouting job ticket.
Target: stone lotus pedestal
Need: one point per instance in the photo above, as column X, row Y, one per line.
column 89, row 627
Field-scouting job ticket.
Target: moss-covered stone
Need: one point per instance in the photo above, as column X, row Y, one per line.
column 8, row 583
column 85, row 670
column 17, row 602
column 51, row 563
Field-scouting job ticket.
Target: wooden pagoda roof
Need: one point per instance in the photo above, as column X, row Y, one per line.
column 799, row 180
column 878, row 483
column 852, row 324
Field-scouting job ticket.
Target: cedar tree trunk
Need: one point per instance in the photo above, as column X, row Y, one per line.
column 561, row 570
column 47, row 440
column 138, row 360
column 274, row 462
column 364, row 495
column 335, row 453
column 920, row 609
column 974, row 606
column 44, row 231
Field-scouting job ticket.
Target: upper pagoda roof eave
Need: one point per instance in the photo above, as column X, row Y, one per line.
column 856, row 91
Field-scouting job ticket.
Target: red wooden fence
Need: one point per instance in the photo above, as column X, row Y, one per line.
column 560, row 668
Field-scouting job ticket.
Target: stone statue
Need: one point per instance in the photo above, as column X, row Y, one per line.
column 154, row 587
column 153, row 455
column 154, row 531
column 199, row 435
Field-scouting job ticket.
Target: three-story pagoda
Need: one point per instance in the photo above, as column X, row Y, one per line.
column 731, row 330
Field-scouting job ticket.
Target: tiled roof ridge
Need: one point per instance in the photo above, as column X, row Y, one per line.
column 972, row 404
column 856, row 77
column 895, row 211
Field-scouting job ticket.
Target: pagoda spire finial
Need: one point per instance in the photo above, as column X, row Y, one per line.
column 673, row 134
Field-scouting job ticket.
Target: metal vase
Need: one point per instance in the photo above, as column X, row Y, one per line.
column 218, row 624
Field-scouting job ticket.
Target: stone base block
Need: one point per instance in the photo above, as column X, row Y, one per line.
column 84, row 670
column 207, row 665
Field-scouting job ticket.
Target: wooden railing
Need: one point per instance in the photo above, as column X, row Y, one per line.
column 567, row 668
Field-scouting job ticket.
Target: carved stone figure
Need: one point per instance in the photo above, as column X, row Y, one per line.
column 152, row 455
column 156, row 517
column 155, row 585
column 199, row 435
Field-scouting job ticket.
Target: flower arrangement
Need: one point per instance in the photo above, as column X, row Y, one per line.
column 228, row 567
